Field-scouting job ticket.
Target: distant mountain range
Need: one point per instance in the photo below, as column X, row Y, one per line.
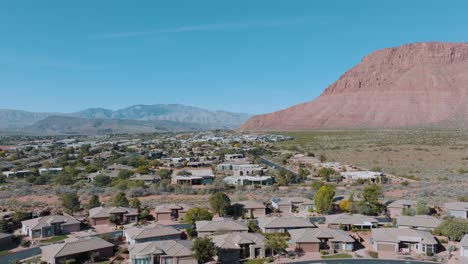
column 133, row 119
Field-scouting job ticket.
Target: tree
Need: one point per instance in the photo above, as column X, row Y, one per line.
column 135, row 203
column 20, row 216
column 70, row 202
column 114, row 219
column 453, row 228
column 322, row 158
column 324, row 199
column 220, row 203
column 197, row 214
column 275, row 242
column 326, row 173
column 315, row 185
column 344, row 205
column 421, row 208
column 371, row 193
column 124, row 174
column 303, row 173
column 120, row 200
column 283, row 177
column 203, row 249
column 93, row 202
column 102, row 180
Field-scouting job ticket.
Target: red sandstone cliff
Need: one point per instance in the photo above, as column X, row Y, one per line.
column 423, row 84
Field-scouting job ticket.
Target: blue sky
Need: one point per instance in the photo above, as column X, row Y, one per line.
column 243, row 56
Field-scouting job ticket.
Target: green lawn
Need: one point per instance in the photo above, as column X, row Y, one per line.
column 338, row 256
column 55, row 239
column 3, row 253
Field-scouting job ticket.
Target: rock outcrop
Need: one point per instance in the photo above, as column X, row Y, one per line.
column 415, row 85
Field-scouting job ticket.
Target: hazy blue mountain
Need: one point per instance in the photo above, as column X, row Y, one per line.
column 170, row 112
column 133, row 119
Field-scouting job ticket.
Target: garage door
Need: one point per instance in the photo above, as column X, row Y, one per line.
column 386, row 247
column 464, row 252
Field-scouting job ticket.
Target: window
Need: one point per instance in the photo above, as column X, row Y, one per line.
column 167, row 261
column 141, row 261
column 336, row 246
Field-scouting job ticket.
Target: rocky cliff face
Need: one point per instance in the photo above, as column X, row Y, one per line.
column 415, row 85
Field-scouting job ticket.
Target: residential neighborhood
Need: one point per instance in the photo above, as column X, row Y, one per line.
column 211, row 197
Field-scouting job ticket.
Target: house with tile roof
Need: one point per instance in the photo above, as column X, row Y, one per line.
column 396, row 208
column 249, row 208
column 292, row 204
column 101, row 215
column 236, row 247
column 283, row 224
column 317, row 239
column 168, row 251
column 141, row 234
column 457, row 209
column 170, row 212
column 48, row 226
column 350, row 221
column 403, row 240
column 421, row 222
column 219, row 226
column 79, row 249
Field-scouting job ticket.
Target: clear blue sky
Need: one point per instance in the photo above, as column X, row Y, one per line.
column 244, row 55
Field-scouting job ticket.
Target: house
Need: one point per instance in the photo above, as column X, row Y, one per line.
column 50, row 170
column 48, row 226
column 170, row 212
column 6, row 241
column 292, row 204
column 464, row 246
column 246, row 170
column 228, row 157
column 80, row 249
column 146, row 178
column 396, row 208
column 353, row 176
column 350, row 221
column 248, row 180
column 141, row 234
column 403, row 240
column 283, row 224
column 219, row 226
column 235, row 247
column 317, row 239
column 158, row 252
column 101, row 215
column 19, row 174
column 193, row 176
column 421, row 222
column 249, row 209
column 457, row 209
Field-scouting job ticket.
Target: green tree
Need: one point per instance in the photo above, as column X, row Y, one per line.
column 303, row 173
column 124, row 174
column 197, row 214
column 93, row 202
column 203, row 249
column 324, row 199
column 120, row 200
column 114, row 219
column 421, row 208
column 102, row 180
column 70, row 202
column 453, row 228
column 275, row 242
column 220, row 203
column 20, row 216
column 371, row 193
column 326, row 173
column 135, row 203
column 315, row 185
